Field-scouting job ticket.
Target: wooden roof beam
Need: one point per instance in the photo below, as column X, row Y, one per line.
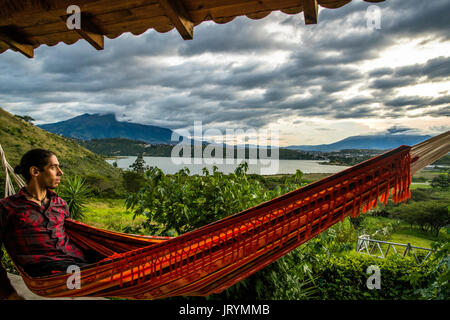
column 15, row 44
column 310, row 10
column 179, row 16
column 90, row 32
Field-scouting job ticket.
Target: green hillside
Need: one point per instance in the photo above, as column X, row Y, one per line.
column 18, row 136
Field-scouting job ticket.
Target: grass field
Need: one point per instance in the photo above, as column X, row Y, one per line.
column 428, row 174
column 420, row 185
column 110, row 214
column 417, row 237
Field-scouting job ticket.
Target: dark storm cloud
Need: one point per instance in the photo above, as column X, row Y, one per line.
column 214, row 93
column 443, row 112
column 389, row 83
column 355, row 113
column 407, row 101
column 416, row 17
column 399, row 129
column 437, row 68
column 381, row 72
column 414, row 102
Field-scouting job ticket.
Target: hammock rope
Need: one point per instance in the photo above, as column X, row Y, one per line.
column 214, row 257
column 8, row 170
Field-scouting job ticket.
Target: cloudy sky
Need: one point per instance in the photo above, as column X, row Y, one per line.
column 315, row 83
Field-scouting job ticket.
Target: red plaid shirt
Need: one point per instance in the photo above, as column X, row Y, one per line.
column 33, row 233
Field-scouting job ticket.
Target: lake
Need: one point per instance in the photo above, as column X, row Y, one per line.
column 262, row 166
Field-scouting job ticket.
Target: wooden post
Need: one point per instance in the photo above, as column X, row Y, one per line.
column 179, row 16
column 310, row 11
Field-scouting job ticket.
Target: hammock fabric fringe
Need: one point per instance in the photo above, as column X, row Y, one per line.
column 212, row 258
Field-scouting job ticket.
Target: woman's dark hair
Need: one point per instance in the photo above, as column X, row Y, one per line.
column 33, row 158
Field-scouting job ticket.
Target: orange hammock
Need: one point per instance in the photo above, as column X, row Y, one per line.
column 216, row 256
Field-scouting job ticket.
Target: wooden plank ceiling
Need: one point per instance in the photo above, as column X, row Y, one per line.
column 26, row 24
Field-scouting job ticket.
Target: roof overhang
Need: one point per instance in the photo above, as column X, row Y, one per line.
column 27, row 24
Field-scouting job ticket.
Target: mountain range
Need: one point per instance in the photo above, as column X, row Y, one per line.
column 101, row 126
column 104, row 126
column 18, row 136
column 373, row 142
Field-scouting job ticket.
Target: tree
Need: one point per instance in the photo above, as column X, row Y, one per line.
column 430, row 215
column 441, row 181
column 25, row 118
column 438, row 216
column 420, row 195
column 132, row 181
column 356, row 222
column 139, row 164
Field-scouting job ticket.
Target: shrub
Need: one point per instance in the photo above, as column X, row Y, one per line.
column 6, row 262
column 420, row 194
column 439, row 287
column 379, row 228
column 441, row 182
column 345, row 278
column 183, row 203
column 132, row 181
column 418, row 179
column 103, row 187
column 75, row 192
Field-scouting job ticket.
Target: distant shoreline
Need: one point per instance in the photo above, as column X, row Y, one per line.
column 145, row 156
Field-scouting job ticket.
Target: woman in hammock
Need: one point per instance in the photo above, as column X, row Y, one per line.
column 32, row 222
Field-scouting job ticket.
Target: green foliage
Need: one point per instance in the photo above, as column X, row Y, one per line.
column 139, row 165
column 182, row 203
column 75, row 192
column 441, row 182
column 111, row 214
column 420, row 195
column 432, row 215
column 6, row 262
column 25, row 118
column 284, row 279
column 439, row 287
column 345, row 277
column 132, row 181
column 419, row 179
column 358, row 221
column 380, row 228
column 103, row 187
column 444, row 161
column 176, row 204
